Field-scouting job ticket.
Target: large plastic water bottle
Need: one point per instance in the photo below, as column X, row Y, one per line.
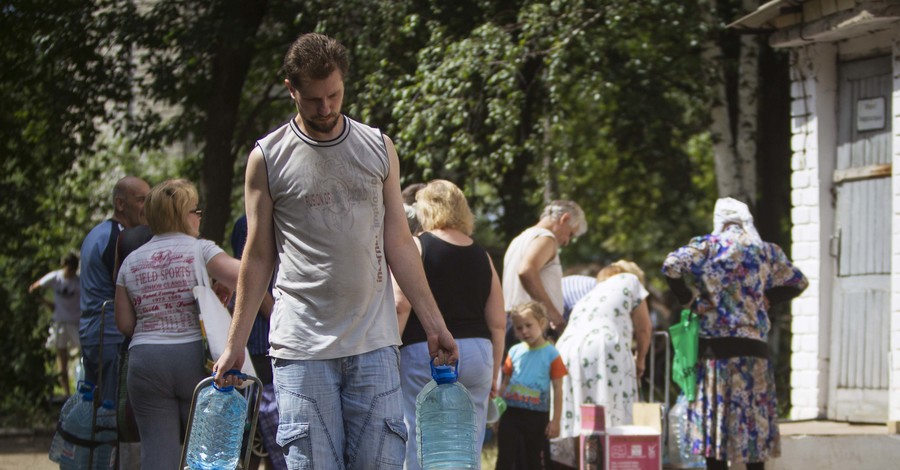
column 217, row 429
column 58, row 443
column 77, row 455
column 677, row 448
column 446, row 432
column 104, row 453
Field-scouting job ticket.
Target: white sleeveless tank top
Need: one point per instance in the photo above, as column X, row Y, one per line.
column 333, row 295
column 514, row 292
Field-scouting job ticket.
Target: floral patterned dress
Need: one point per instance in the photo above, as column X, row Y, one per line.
column 735, row 415
column 596, row 349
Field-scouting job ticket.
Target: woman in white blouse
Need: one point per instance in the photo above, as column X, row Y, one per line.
column 155, row 307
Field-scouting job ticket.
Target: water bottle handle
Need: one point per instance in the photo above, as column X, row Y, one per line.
column 434, row 373
column 235, row 372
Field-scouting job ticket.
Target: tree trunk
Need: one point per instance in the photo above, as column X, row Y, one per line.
column 748, row 92
column 551, row 191
column 239, row 21
column 734, row 113
column 518, row 214
column 727, row 179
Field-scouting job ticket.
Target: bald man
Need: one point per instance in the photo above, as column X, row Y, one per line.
column 97, row 284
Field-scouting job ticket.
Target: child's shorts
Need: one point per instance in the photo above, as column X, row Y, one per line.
column 63, row 336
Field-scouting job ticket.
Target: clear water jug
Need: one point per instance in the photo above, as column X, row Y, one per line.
column 446, row 431
column 218, row 429
column 82, row 452
column 58, row 443
column 677, row 449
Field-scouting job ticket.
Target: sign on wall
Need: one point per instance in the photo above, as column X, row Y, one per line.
column 870, row 114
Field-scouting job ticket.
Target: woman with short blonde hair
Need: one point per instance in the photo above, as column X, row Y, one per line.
column 155, row 307
column 619, row 267
column 441, row 204
column 168, row 203
column 467, row 290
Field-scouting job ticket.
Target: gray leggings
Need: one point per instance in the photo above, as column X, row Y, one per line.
column 161, row 381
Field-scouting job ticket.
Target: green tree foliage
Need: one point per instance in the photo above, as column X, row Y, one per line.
column 597, row 101
column 62, row 76
column 600, row 101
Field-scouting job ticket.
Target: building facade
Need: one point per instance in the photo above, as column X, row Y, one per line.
column 845, row 105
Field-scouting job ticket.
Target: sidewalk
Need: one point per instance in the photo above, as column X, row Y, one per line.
column 25, row 449
column 822, row 445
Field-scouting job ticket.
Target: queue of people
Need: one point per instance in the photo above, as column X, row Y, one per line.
column 360, row 306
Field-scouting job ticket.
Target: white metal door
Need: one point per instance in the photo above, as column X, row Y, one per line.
column 858, row 389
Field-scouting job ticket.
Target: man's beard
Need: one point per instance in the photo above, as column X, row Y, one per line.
column 322, row 126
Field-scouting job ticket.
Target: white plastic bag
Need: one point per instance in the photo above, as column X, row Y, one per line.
column 215, row 319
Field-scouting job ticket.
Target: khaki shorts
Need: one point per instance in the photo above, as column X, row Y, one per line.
column 63, row 336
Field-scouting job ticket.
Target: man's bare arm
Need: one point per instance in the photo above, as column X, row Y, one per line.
column 257, row 264
column 540, row 251
column 406, row 266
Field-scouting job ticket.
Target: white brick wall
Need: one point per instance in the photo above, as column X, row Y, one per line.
column 808, row 380
column 894, row 356
column 804, row 250
column 813, row 125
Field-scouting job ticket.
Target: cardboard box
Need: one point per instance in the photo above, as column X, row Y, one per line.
column 632, row 448
column 618, row 447
column 649, row 415
column 590, row 443
column 593, row 419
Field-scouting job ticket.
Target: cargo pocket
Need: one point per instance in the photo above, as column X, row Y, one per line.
column 296, row 435
column 392, row 450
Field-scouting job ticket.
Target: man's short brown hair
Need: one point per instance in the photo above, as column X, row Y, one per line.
column 314, row 56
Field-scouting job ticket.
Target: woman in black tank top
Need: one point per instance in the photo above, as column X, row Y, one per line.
column 467, row 290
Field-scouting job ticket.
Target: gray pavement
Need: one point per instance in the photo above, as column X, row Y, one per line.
column 21, row 450
column 27, row 449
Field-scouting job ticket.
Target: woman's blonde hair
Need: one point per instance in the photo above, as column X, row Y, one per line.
column 441, row 204
column 168, row 204
column 536, row 309
column 619, row 267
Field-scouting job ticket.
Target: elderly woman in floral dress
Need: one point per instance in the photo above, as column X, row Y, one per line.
column 730, row 277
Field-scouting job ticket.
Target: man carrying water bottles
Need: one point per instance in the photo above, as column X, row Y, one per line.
column 323, row 193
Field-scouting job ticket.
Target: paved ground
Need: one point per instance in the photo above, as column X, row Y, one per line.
column 829, row 428
column 25, row 450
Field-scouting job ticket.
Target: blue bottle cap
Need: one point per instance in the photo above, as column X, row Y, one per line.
column 85, row 386
column 446, row 374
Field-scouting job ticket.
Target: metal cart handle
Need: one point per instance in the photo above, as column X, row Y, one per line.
column 664, row 334
column 253, row 415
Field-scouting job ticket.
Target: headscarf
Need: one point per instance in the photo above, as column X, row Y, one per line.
column 732, row 211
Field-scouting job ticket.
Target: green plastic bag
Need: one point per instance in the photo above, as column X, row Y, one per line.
column 685, row 336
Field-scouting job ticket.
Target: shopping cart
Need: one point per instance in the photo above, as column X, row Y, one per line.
column 668, row 367
column 252, row 389
column 649, row 411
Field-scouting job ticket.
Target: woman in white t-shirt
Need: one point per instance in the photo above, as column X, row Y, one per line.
column 155, row 307
column 63, row 336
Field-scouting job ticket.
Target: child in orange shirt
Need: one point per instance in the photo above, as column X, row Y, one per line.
column 531, row 367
